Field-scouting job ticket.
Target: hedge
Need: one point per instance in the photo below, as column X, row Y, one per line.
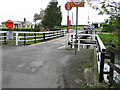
column 29, row 30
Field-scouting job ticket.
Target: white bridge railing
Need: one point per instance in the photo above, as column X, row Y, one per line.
column 82, row 38
column 90, row 40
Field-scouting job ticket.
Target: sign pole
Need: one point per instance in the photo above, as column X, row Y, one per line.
column 68, row 21
column 68, row 7
column 76, row 30
column 67, row 27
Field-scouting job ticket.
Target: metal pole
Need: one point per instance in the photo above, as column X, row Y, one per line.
column 67, row 27
column 76, row 30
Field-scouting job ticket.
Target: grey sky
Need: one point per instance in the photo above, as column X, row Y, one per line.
column 20, row 9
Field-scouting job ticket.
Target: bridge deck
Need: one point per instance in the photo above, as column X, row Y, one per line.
column 45, row 65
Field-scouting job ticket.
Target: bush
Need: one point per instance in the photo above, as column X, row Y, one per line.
column 107, row 28
column 27, row 30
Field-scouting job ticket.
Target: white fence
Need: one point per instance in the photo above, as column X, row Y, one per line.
column 89, row 38
column 32, row 36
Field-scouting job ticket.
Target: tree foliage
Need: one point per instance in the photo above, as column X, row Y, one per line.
column 109, row 7
column 112, row 8
column 53, row 16
column 39, row 16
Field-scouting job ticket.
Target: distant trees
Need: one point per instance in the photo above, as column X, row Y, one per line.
column 53, row 16
column 109, row 7
column 39, row 16
column 112, row 8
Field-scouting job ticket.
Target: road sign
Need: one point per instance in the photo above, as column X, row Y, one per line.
column 68, row 6
column 9, row 24
column 10, row 35
column 77, row 3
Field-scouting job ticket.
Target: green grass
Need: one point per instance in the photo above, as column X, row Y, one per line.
column 109, row 39
column 97, row 29
column 73, row 27
column 85, row 65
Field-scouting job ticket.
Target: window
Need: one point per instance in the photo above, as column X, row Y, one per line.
column 23, row 26
column 28, row 26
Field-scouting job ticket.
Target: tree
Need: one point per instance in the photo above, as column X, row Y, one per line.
column 39, row 16
column 112, row 8
column 53, row 16
column 109, row 7
column 35, row 17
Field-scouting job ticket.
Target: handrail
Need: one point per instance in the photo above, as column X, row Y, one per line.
column 102, row 47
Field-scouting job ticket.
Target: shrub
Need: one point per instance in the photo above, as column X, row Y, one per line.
column 27, row 30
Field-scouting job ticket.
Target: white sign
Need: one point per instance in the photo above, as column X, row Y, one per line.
column 77, row 2
column 10, row 35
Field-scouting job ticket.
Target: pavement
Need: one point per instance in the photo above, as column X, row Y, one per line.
column 44, row 65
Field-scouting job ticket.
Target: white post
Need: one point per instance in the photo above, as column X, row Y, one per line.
column 67, row 36
column 73, row 41
column 94, row 36
column 16, row 38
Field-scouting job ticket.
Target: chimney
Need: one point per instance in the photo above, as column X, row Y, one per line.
column 24, row 19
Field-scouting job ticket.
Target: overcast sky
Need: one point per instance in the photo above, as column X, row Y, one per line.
column 17, row 10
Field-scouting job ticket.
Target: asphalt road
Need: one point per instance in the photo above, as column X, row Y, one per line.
column 44, row 65
column 35, row 66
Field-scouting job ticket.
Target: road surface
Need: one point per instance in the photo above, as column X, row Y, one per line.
column 40, row 65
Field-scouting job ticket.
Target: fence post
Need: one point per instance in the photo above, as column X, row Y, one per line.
column 53, row 35
column 64, row 32
column 60, row 34
column 49, row 35
column 101, row 66
column 24, row 39
column 57, row 33
column 5, row 37
column 112, row 59
column 35, row 37
column 43, row 36
column 16, row 38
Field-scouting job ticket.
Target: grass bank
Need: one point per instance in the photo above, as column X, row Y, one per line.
column 110, row 38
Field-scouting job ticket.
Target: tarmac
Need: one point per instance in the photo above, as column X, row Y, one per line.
column 44, row 65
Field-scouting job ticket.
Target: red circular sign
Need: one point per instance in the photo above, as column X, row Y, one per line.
column 9, row 24
column 77, row 2
column 68, row 6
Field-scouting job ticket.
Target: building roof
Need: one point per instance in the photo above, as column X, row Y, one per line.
column 20, row 22
column 26, row 22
